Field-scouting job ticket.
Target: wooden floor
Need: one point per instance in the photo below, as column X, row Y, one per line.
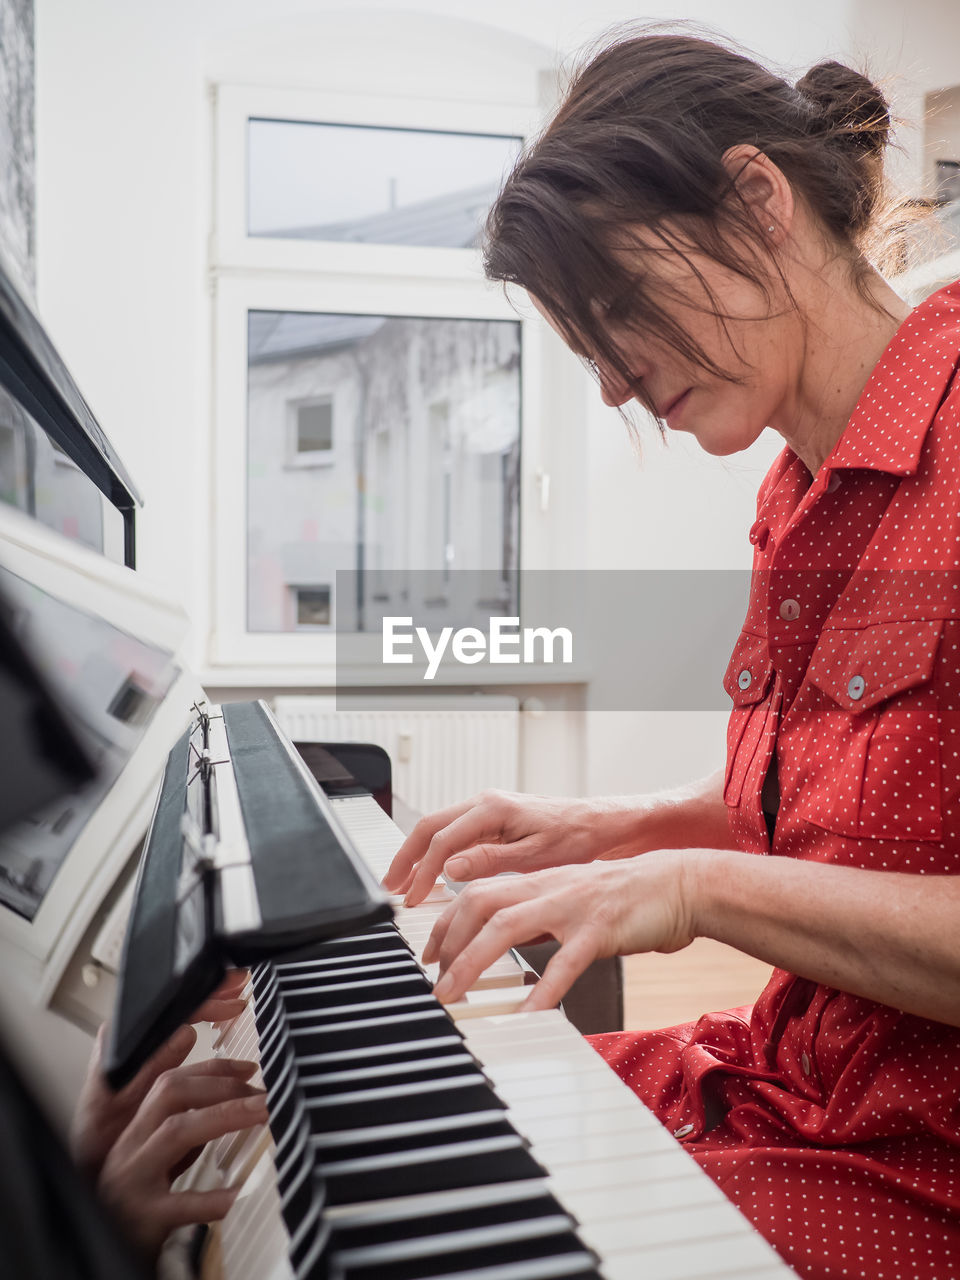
column 662, row 991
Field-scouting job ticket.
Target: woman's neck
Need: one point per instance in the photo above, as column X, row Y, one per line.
column 842, row 341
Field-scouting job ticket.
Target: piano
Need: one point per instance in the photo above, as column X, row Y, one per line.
column 406, row 1139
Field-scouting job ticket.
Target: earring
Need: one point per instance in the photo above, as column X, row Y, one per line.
column 771, row 228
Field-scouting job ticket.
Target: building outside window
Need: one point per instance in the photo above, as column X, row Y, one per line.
column 380, row 424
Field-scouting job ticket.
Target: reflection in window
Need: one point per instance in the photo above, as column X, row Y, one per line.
column 313, row 427
column 313, row 606
column 424, row 475
column 37, row 477
column 372, row 186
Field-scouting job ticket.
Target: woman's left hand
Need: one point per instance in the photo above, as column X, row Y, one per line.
column 602, row 909
column 101, row 1114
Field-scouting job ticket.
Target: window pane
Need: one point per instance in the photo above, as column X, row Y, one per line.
column 315, row 427
column 422, row 417
column 313, row 606
column 372, row 186
column 37, row 477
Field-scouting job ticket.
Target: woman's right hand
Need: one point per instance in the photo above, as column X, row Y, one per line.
column 504, row 831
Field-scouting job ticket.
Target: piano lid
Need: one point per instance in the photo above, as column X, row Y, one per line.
column 34, row 373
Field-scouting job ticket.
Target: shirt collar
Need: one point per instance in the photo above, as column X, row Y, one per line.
column 896, row 409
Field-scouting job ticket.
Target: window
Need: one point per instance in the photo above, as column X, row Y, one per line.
column 334, row 182
column 376, row 397
column 311, row 430
column 313, row 606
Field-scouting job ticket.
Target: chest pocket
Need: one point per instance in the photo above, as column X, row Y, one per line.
column 868, row 763
column 747, row 681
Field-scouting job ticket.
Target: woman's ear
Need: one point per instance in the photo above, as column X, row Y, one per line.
column 763, row 188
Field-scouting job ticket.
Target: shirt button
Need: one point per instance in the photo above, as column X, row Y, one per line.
column 856, row 687
column 833, row 484
column 744, row 679
column 805, row 1063
column 683, row 1131
column 790, row 610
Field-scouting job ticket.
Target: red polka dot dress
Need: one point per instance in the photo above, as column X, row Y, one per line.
column 833, row 1122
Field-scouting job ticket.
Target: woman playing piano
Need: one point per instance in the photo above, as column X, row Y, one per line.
column 698, row 230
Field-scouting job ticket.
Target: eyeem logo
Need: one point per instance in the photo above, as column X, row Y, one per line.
column 506, row 642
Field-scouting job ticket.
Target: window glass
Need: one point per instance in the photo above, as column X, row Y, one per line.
column 313, row 606
column 315, row 426
column 372, row 186
column 37, row 477
column 424, row 458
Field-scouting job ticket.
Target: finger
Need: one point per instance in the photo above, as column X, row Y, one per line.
column 508, row 928
column 439, row 932
column 563, row 969
column 187, row 1208
column 180, row 1133
column 417, row 842
column 167, row 1058
column 177, row 1092
column 463, row 833
column 477, row 906
column 484, row 860
column 218, row 1011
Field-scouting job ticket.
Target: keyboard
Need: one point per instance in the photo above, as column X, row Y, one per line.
column 476, row 1142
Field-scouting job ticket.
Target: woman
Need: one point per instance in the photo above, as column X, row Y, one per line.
column 697, row 229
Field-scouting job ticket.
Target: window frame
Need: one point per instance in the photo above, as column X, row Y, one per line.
column 258, row 273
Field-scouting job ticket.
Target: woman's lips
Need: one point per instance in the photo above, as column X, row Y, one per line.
column 675, row 405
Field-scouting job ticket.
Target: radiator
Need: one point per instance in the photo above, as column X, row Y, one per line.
column 441, row 753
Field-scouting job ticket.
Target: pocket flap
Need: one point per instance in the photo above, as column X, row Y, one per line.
column 859, row 667
column 749, row 670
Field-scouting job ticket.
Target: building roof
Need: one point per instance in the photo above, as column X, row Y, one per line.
column 283, row 335
column 454, row 220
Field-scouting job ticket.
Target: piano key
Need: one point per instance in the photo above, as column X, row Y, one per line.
column 479, row 1246
column 417, row 1069
column 480, row 1162
column 402, row 1134
column 453, row 1095
column 407, row 1218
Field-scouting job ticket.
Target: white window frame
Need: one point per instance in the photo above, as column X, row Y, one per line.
column 259, row 273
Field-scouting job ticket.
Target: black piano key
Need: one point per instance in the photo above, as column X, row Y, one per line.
column 483, row 1161
column 370, row 1031
column 363, row 944
column 378, row 1007
column 382, row 1053
column 447, row 1096
column 310, row 1000
column 348, row 970
column 352, row 1144
column 372, row 1229
column 567, row 1266
column 548, row 1237
column 418, row 1069
column 400, row 953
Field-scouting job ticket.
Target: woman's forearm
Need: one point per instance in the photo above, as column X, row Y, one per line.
column 890, row 937
column 688, row 817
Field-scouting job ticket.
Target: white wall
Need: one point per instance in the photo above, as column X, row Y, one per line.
column 124, row 214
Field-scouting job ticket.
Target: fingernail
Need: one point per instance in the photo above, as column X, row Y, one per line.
column 258, row 1102
column 456, row 868
column 442, row 988
column 239, row 1067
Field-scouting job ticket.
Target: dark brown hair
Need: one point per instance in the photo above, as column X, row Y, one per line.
column 638, row 142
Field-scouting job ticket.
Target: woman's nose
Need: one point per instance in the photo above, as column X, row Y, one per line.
column 616, row 391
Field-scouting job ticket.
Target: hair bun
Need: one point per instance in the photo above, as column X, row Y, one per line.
column 849, row 105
